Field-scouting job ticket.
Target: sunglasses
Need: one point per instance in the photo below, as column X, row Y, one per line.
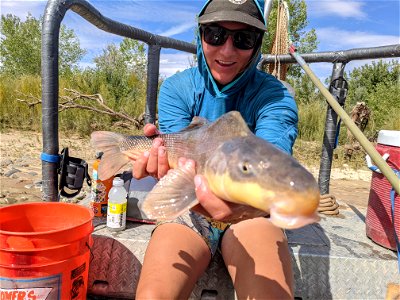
column 243, row 39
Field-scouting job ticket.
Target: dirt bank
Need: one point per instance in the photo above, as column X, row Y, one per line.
column 21, row 173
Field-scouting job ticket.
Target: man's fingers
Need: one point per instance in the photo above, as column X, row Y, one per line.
column 150, row 130
column 200, row 209
column 152, row 164
column 139, row 167
column 216, row 207
column 182, row 162
column 163, row 165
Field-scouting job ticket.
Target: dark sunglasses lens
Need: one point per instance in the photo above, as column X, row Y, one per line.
column 242, row 39
column 214, row 36
column 245, row 40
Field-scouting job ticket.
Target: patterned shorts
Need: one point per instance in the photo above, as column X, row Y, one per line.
column 210, row 230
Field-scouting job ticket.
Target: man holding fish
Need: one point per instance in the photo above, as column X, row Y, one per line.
column 238, row 186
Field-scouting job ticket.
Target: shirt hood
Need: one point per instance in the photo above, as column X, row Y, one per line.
column 243, row 78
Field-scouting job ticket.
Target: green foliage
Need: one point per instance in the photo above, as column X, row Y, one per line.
column 306, row 91
column 305, row 41
column 312, row 108
column 384, row 103
column 312, row 120
column 13, row 113
column 378, row 85
column 120, row 71
column 20, row 47
column 365, row 79
column 70, row 52
column 119, row 76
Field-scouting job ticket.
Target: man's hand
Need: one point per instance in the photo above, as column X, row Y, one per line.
column 153, row 162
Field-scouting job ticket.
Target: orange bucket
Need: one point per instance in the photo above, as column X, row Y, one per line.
column 45, row 250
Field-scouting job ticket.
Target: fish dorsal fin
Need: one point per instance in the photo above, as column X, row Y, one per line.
column 172, row 196
column 230, row 125
column 196, row 123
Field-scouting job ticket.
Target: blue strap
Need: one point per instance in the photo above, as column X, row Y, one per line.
column 392, row 198
column 51, row 158
column 374, row 168
column 337, row 133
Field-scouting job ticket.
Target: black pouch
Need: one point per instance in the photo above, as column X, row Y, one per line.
column 73, row 172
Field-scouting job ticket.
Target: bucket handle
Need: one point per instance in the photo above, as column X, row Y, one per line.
column 91, row 252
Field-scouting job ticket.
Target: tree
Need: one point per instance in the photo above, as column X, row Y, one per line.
column 365, row 79
column 20, row 47
column 120, row 71
column 377, row 84
column 306, row 91
column 305, row 41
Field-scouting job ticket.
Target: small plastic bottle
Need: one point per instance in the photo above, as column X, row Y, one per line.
column 117, row 202
column 100, row 189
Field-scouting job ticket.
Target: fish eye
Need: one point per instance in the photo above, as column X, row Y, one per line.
column 245, row 167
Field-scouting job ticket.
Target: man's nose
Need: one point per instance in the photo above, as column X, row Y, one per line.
column 228, row 47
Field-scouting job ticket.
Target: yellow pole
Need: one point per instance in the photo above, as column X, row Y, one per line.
column 368, row 147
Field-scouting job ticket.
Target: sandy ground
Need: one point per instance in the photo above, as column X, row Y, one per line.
column 20, row 170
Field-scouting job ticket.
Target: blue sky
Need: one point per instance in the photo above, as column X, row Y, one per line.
column 340, row 25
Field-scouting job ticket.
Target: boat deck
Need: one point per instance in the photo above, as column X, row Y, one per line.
column 333, row 259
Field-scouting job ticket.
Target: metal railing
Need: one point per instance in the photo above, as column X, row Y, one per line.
column 338, row 88
column 53, row 16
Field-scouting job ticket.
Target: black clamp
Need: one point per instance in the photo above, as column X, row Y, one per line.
column 339, row 88
column 73, row 172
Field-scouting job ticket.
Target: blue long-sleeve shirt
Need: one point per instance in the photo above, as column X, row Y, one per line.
column 264, row 102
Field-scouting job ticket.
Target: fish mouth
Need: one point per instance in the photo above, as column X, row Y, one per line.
column 286, row 221
column 295, row 210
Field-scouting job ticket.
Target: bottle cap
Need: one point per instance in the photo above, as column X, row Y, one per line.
column 118, row 181
column 98, row 155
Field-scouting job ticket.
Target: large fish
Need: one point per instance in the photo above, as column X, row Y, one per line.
column 239, row 167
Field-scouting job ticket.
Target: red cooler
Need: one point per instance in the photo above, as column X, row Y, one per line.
column 379, row 222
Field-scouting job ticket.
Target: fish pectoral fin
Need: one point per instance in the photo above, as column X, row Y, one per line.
column 173, row 195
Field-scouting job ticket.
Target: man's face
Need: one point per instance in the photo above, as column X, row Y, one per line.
column 226, row 61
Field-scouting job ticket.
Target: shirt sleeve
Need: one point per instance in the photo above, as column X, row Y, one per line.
column 174, row 108
column 277, row 118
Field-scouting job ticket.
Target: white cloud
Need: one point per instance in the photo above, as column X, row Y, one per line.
column 341, row 8
column 172, row 62
column 178, row 29
column 334, row 39
column 21, row 8
column 84, row 65
column 90, row 36
column 337, row 39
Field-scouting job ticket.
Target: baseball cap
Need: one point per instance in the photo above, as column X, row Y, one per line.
column 242, row 11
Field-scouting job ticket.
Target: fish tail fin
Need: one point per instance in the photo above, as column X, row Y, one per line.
column 113, row 159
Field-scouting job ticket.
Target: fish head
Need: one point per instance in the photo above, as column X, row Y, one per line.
column 251, row 171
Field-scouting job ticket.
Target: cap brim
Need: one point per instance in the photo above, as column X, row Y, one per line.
column 232, row 16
